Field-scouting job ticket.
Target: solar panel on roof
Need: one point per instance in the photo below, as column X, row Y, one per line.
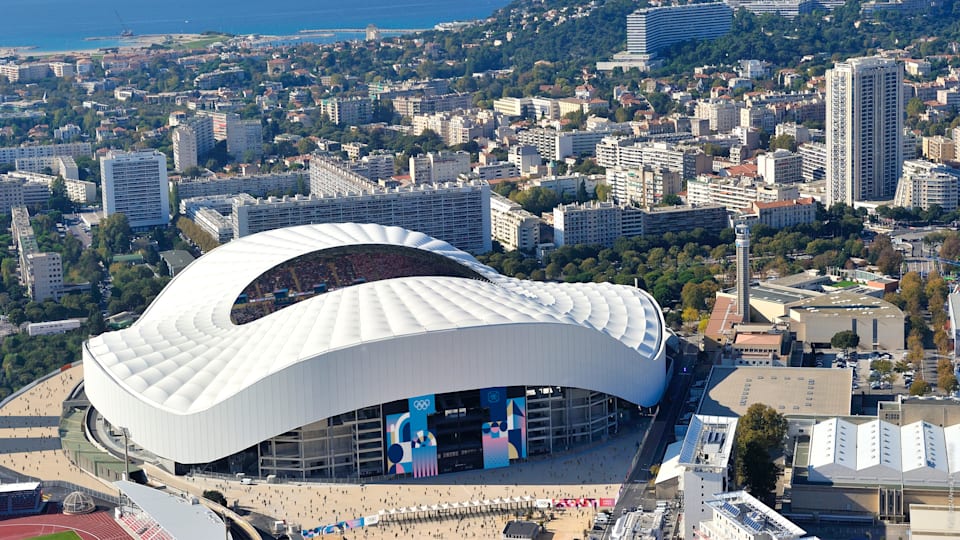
column 753, row 522
column 731, row 509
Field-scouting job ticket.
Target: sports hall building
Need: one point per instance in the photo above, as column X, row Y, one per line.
column 348, row 350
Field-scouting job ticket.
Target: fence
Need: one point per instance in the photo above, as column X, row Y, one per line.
column 112, row 499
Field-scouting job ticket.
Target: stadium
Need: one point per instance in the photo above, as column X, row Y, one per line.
column 357, row 350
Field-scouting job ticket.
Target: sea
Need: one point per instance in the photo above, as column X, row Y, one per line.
column 64, row 25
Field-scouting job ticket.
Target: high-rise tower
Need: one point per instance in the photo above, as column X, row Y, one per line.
column 743, row 270
column 864, row 130
column 135, row 184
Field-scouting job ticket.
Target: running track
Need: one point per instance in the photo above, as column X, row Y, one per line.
column 96, row 526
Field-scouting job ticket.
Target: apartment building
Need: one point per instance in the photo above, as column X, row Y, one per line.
column 410, row 106
column 498, row 170
column 706, row 458
column 554, row 145
column 258, row 185
column 779, row 214
column 722, row 114
column 740, row 516
column 594, row 222
column 525, row 157
column 135, row 184
column 329, row 175
column 436, row 167
column 813, row 161
column 736, row 192
column 457, row 127
column 11, row 154
column 642, row 187
column 630, row 154
column 352, row 111
column 40, row 273
column 939, row 149
column 602, row 222
column 512, row 226
column 458, row 213
column 925, row 184
column 864, row 129
column 780, row 167
column 652, row 29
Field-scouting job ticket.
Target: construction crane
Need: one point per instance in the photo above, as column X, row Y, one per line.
column 124, row 31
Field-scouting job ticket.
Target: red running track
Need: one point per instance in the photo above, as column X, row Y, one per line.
column 96, row 526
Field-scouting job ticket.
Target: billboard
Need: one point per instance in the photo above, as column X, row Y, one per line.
column 413, row 447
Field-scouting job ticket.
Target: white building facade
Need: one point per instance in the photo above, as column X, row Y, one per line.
column 864, row 130
column 135, row 184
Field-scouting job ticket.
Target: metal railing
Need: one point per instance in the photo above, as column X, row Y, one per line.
column 113, row 499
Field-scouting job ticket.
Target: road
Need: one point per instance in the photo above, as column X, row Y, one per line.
column 76, row 229
column 655, row 443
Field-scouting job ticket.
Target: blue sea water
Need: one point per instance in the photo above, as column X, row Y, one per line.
column 58, row 25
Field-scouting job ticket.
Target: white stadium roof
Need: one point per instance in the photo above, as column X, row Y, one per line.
column 185, row 371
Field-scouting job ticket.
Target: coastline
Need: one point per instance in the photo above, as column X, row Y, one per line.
column 179, row 41
column 99, row 44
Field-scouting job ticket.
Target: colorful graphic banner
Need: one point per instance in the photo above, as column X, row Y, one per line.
column 339, row 527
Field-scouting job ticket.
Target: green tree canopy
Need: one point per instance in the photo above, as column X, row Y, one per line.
column 115, row 233
column 845, row 339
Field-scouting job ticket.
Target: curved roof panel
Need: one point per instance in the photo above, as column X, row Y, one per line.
column 186, row 357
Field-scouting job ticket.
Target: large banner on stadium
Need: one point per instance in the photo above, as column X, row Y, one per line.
column 602, row 502
column 412, row 445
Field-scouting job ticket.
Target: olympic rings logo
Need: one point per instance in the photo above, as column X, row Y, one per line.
column 421, row 404
column 493, row 397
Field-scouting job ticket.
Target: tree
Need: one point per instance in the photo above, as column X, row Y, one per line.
column 760, row 432
column 58, row 196
column 671, row 199
column 582, row 196
column 947, row 382
column 759, row 474
column 919, row 387
column 765, row 424
column 784, row 141
column 215, row 496
column 915, row 348
column 602, row 191
column 115, row 233
column 845, row 339
column 915, row 107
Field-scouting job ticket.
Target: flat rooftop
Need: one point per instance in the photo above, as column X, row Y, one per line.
column 780, row 296
column 846, row 303
column 709, row 441
column 753, row 517
column 790, row 391
column 797, row 280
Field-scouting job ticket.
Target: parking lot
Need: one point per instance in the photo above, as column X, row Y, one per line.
column 869, row 381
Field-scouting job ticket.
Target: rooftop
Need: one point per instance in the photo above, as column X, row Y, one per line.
column 521, row 529
column 754, row 517
column 709, row 441
column 780, row 296
column 758, row 339
column 844, row 303
column 791, row 391
column 178, row 516
column 842, row 450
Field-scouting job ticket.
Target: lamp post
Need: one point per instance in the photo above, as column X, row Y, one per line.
column 126, row 455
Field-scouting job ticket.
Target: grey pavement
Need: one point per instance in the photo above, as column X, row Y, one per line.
column 28, row 421
column 29, row 444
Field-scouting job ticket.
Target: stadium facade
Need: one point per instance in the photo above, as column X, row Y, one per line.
column 348, row 350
